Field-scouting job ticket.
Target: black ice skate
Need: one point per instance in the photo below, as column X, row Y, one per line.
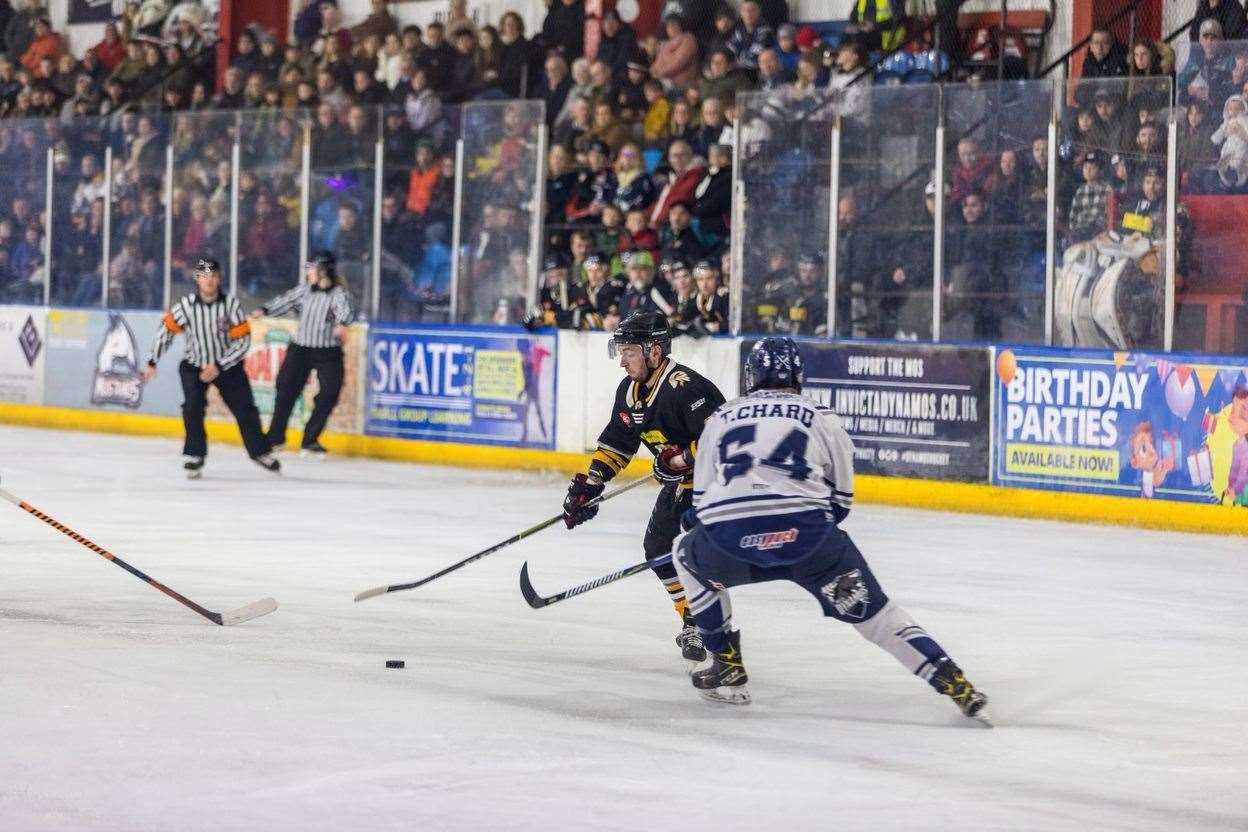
column 724, row 681
column 950, row 681
column 194, row 467
column 315, row 449
column 689, row 640
column 268, row 463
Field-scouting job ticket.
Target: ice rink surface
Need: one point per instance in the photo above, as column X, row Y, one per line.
column 1116, row 661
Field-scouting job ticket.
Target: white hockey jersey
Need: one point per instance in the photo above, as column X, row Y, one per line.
column 774, row 474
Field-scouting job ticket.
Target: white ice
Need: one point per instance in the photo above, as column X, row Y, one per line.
column 1115, row 660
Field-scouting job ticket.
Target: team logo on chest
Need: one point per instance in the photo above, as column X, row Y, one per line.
column 678, row 379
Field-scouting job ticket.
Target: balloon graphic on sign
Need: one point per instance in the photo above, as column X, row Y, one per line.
column 1007, row 366
column 1180, row 394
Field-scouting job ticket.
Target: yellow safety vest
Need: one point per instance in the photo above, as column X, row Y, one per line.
column 890, row 37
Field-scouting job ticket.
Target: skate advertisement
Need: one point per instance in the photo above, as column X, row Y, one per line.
column 23, row 344
column 912, row 410
column 457, row 386
column 270, row 338
column 1154, row 426
column 96, row 359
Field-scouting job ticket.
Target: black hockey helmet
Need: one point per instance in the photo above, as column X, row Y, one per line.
column 325, row 259
column 774, row 362
column 644, row 329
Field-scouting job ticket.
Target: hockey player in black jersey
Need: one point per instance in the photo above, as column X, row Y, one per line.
column 662, row 405
column 773, row 483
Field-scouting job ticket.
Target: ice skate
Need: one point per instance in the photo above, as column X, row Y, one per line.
column 951, row 682
column 194, row 467
column 689, row 640
column 724, row 681
column 314, row 450
column 268, row 463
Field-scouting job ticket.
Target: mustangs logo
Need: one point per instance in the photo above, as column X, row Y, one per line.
column 768, row 540
column 117, row 379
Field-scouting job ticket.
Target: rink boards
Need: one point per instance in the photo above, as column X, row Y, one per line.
column 1149, row 439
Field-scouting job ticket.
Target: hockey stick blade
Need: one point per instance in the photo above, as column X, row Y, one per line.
column 537, row 602
column 254, row 610
column 516, row 538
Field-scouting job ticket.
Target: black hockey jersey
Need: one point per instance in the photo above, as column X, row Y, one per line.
column 668, row 410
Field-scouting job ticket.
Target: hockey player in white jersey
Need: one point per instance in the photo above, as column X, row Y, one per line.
column 772, row 482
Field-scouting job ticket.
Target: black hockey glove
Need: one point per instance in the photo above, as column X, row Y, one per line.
column 580, row 491
column 672, row 465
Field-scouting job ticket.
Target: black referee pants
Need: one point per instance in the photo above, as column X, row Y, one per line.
column 299, row 363
column 235, row 391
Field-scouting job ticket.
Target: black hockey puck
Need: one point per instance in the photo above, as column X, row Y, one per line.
column 395, row 664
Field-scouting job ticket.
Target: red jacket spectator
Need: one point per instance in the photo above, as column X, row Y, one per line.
column 682, row 183
column 973, row 173
column 47, row 44
column 420, row 188
column 111, row 49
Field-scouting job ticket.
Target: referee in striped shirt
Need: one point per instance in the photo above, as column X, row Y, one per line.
column 324, row 307
column 217, row 338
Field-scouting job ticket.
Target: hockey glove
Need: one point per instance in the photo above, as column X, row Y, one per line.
column 580, row 491
column 672, row 465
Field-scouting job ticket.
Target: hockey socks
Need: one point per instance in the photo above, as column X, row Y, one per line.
column 676, row 593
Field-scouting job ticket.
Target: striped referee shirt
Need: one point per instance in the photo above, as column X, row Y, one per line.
column 320, row 310
column 216, row 332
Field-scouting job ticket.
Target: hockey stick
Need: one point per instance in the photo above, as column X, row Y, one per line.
column 537, row 601
column 254, row 610
column 516, row 538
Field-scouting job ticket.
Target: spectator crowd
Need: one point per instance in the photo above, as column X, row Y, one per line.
column 637, row 173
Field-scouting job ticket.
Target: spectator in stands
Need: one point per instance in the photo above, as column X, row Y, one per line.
column 634, row 187
column 711, row 130
column 463, row 79
column 554, row 86
column 719, row 79
column 422, row 105
column 974, row 170
column 1149, row 151
column 20, row 30
column 1105, row 57
column 904, row 284
column 751, row 35
column 805, row 309
column 520, row 62
column 1232, row 138
column 111, row 49
column 772, row 74
column 1148, row 91
column 1196, row 149
column 682, row 180
column 1228, row 14
column 618, row 43
column 561, row 184
column 677, row 60
column 978, row 271
column 568, row 131
column 563, row 30
column 596, row 185
column 712, row 203
column 637, row 234
column 628, row 94
column 423, row 179
column 1207, row 75
column 1090, row 205
column 436, row 56
column 657, row 116
column 677, row 238
column 1111, row 131
column 786, row 48
column 606, row 129
column 45, row 44
column 877, row 24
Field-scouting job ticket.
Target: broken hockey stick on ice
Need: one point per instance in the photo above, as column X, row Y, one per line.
column 254, row 610
column 537, row 601
column 516, row 538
